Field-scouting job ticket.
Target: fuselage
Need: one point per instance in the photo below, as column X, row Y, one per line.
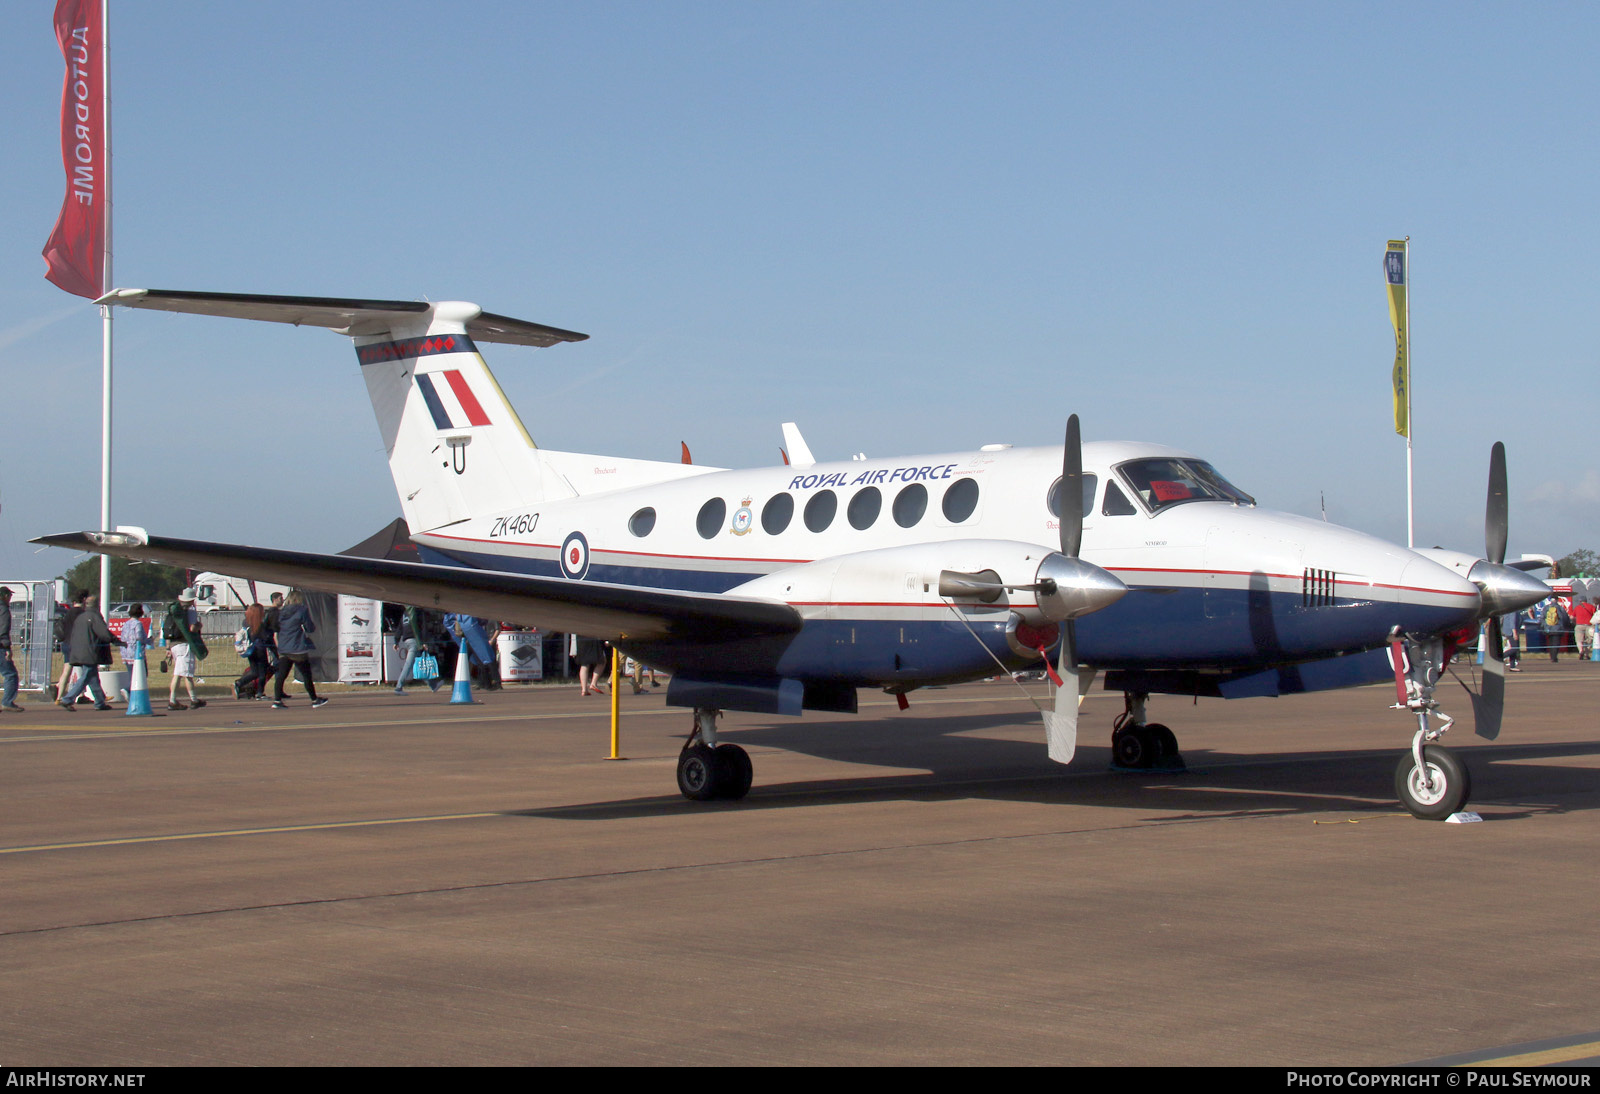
column 1217, row 584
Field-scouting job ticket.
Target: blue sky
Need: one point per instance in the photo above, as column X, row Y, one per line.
column 909, row 227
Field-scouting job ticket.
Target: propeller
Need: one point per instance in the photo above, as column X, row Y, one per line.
column 1065, row 587
column 1503, row 589
column 1061, row 723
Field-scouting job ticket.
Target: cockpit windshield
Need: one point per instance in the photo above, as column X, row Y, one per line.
column 1163, row 482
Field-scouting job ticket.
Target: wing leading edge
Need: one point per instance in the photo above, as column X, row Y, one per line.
column 617, row 612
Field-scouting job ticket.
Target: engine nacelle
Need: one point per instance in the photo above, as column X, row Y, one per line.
column 974, row 575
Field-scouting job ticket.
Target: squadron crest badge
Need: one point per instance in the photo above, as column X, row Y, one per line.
column 743, row 519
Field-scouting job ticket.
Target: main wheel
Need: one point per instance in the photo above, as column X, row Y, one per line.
column 1133, row 746
column 1452, row 785
column 733, row 781
column 1165, row 740
column 698, row 773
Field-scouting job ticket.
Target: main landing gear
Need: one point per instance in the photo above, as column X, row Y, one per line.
column 708, row 770
column 1429, row 781
column 1139, row 745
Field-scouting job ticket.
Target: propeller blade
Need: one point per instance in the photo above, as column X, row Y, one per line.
column 1061, row 724
column 1504, row 589
column 1495, row 518
column 1072, row 491
column 1489, row 704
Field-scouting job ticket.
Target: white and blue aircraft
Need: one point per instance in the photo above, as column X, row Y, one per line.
column 784, row 589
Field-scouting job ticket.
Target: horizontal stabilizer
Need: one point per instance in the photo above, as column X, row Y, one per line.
column 616, row 612
column 353, row 317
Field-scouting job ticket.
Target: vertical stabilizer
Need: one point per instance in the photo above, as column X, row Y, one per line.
column 456, row 447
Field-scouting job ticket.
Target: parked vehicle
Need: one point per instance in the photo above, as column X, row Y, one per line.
column 217, row 592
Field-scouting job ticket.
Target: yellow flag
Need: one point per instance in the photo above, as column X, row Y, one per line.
column 1394, row 269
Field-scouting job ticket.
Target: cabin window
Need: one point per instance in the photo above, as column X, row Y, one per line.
column 709, row 522
column 820, row 510
column 960, row 500
column 1116, row 503
column 865, row 507
column 643, row 522
column 910, row 504
column 777, row 513
column 1090, row 483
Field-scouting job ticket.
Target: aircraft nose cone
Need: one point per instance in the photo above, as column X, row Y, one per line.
column 1080, row 587
column 1505, row 589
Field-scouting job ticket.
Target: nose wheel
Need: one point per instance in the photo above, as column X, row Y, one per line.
column 1437, row 789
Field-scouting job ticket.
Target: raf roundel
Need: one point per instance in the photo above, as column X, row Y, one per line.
column 575, row 557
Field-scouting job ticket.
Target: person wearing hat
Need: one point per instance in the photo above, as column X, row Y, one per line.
column 8, row 668
column 182, row 648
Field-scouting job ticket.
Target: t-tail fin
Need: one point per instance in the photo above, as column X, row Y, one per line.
column 456, row 447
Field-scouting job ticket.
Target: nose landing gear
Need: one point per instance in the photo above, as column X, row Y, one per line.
column 1430, row 781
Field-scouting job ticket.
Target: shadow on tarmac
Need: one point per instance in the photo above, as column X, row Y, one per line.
column 955, row 761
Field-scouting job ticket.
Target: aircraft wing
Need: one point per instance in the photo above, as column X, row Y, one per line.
column 593, row 609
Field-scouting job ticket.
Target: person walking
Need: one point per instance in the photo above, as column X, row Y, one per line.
column 294, row 649
column 183, row 649
column 87, row 649
column 1511, row 636
column 134, row 631
column 1555, row 626
column 588, row 652
column 1583, row 627
column 8, row 668
column 253, row 683
column 64, row 622
column 411, row 644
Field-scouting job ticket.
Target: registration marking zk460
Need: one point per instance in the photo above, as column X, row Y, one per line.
column 521, row 524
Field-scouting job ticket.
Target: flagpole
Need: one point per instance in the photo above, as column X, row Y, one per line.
column 1410, row 525
column 105, row 311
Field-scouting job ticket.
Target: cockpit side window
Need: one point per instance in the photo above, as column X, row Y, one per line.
column 1163, row 482
column 1116, row 503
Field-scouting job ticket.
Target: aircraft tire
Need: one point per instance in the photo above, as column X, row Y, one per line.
column 1165, row 740
column 736, row 772
column 699, row 773
column 1452, row 784
column 1134, row 747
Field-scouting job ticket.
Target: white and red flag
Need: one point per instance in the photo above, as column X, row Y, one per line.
column 75, row 256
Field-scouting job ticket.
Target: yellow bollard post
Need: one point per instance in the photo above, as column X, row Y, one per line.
column 616, row 704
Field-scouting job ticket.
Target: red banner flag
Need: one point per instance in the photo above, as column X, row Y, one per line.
column 75, row 256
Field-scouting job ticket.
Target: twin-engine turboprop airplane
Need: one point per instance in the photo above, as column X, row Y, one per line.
column 784, row 589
